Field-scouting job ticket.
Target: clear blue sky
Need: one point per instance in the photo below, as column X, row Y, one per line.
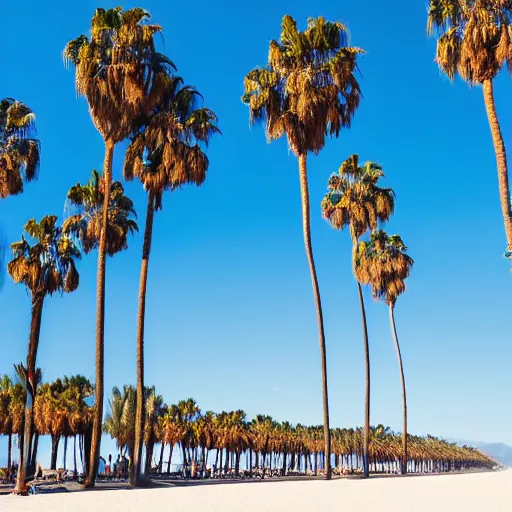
column 230, row 313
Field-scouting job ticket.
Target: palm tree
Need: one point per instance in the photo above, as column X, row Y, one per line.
column 19, row 150
column 355, row 200
column 474, row 40
column 307, row 90
column 154, row 409
column 85, row 205
column 45, row 267
column 385, row 265
column 165, row 154
column 120, row 421
column 122, row 77
column 12, row 400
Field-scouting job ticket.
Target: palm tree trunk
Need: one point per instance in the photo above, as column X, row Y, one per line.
column 139, row 419
column 9, row 452
column 306, row 226
column 171, row 446
column 161, row 461
column 366, row 439
column 404, row 395
column 501, row 159
column 100, row 321
column 31, row 384
column 65, row 452
column 33, row 459
column 55, row 449
column 74, row 455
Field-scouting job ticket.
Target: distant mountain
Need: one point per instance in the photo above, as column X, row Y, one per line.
column 498, row 451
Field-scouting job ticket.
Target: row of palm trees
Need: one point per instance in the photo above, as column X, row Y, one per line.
column 307, row 91
column 60, row 411
column 226, row 441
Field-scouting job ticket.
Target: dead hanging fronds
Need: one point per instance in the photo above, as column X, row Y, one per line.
column 354, row 198
column 118, row 70
column 48, row 265
column 168, row 150
column 19, row 150
column 309, row 87
column 86, row 224
column 474, row 37
column 383, row 263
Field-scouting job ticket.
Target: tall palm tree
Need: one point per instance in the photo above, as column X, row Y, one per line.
column 475, row 41
column 122, row 77
column 45, row 267
column 385, row 265
column 166, row 153
column 19, row 150
column 355, row 200
column 308, row 90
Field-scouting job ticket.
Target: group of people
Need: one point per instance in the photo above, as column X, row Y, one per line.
column 117, row 470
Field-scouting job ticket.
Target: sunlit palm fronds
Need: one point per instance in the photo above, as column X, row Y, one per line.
column 309, row 88
column 474, row 37
column 19, row 150
column 86, row 204
column 48, row 264
column 385, row 265
column 167, row 150
column 118, row 69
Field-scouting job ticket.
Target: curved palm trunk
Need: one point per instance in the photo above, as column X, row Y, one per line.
column 404, row 395
column 35, row 329
column 139, row 419
column 501, row 159
column 304, row 190
column 100, row 322
column 366, row 440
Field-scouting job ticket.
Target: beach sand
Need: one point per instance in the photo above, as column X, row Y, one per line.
column 481, row 492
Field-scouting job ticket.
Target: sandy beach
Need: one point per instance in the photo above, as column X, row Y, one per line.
column 483, row 492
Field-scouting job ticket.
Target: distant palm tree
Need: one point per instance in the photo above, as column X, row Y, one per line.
column 122, row 77
column 307, row 90
column 19, row 150
column 86, row 202
column 165, row 154
column 12, row 405
column 355, row 200
column 385, row 265
column 154, row 408
column 45, row 267
column 474, row 40
column 120, row 420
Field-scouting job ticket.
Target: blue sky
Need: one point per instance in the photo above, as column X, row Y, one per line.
column 230, row 312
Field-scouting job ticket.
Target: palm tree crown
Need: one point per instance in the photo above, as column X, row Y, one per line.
column 166, row 151
column 48, row 265
column 88, row 199
column 475, row 37
column 384, row 264
column 19, row 151
column 308, row 88
column 118, row 69
column 354, row 198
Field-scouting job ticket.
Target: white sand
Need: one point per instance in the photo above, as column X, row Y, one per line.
column 485, row 492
